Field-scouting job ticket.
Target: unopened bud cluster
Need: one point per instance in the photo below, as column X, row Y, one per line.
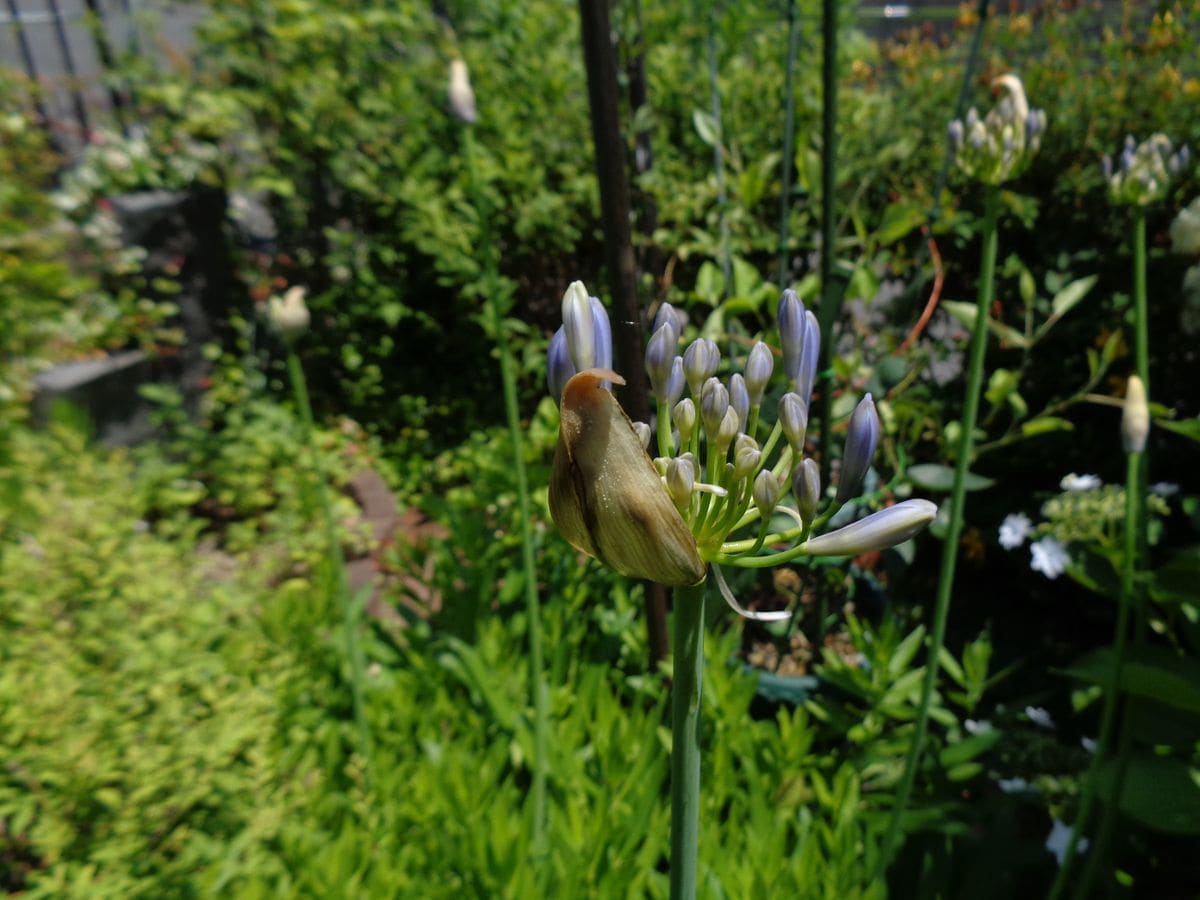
column 1001, row 145
column 724, row 458
column 1143, row 172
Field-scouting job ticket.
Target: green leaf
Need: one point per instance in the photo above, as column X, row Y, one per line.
column 935, row 477
column 1066, row 299
column 1045, row 425
column 898, row 220
column 706, row 127
column 1147, row 672
column 1177, row 580
column 969, row 748
column 1159, row 792
column 966, row 312
column 1188, row 428
column 1001, row 383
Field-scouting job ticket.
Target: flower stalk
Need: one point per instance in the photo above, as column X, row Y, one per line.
column 966, row 442
column 687, row 682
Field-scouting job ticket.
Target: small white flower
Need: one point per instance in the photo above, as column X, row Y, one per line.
column 1059, row 837
column 1039, row 716
column 983, row 726
column 1013, row 785
column 1164, row 488
column 1049, row 557
column 1014, row 529
column 1075, row 482
column 1087, row 744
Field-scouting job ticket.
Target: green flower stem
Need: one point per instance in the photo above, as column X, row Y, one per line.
column 495, row 322
column 1111, row 691
column 688, row 678
column 987, row 271
column 1141, row 354
column 666, row 444
column 348, row 603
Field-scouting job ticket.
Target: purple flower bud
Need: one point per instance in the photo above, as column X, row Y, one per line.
column 669, row 315
column 972, row 119
column 602, row 341
column 559, row 368
column 766, row 492
column 809, row 358
column 956, row 133
column 580, row 326
column 806, row 484
column 739, row 399
column 878, row 531
column 793, row 419
column 791, row 321
column 681, row 480
column 660, row 359
column 676, row 383
column 700, row 362
column 759, row 367
column 861, row 441
column 684, row 415
column 746, row 459
column 1106, row 166
column 714, row 402
column 1033, row 124
column 727, row 431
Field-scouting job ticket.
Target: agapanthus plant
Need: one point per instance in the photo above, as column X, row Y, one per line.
column 711, row 494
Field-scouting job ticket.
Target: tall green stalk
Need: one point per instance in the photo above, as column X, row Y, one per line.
column 831, row 292
column 494, row 323
column 966, row 445
column 789, row 129
column 1141, row 338
column 687, row 681
column 336, row 559
column 1111, row 691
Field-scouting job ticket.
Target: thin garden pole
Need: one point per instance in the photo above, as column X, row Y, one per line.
column 68, row 61
column 18, row 26
column 601, row 64
column 714, row 94
column 830, row 291
column 789, row 127
column 108, row 60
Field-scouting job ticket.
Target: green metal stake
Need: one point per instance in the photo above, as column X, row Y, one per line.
column 789, row 127
column 830, row 291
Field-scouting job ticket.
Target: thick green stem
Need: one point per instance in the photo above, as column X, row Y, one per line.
column 348, row 603
column 1141, row 355
column 687, row 680
column 966, row 442
column 1111, row 692
column 508, row 380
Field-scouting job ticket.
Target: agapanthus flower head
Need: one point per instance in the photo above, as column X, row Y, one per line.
column 289, row 314
column 1146, row 170
column 1001, row 145
column 727, row 475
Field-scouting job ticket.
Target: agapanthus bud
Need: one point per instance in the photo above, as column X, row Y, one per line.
column 746, row 459
column 861, row 440
column 806, row 484
column 809, row 358
column 759, row 367
column 642, row 430
column 676, row 383
column 559, row 367
column 580, row 326
column 739, row 399
column 1135, row 416
column 792, row 321
column 700, row 361
column 660, row 358
column 462, row 98
column 669, row 315
column 714, row 402
column 681, row 480
column 1106, row 166
column 766, row 492
column 601, row 335
column 793, row 419
column 288, row 314
column 878, row 531
column 956, row 133
column 607, row 498
column 728, row 430
column 684, row 416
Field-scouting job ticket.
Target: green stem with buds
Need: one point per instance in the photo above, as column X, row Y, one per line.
column 349, row 605
column 1111, row 692
column 494, row 321
column 687, row 680
column 966, row 441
